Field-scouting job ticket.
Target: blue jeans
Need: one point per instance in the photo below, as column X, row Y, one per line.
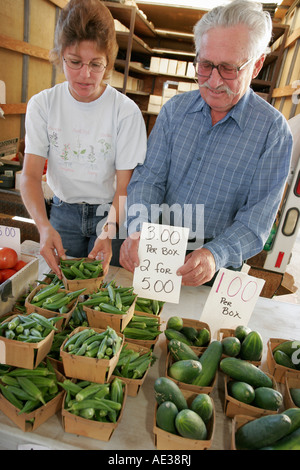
column 77, row 226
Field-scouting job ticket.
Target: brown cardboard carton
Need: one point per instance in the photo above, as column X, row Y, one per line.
column 89, row 428
column 118, row 322
column 291, row 380
column 168, row 441
column 89, row 368
column 90, row 285
column 20, row 354
column 277, row 370
column 64, row 317
column 28, row 422
column 198, row 325
column 134, row 385
column 185, row 386
column 144, row 342
column 233, row 407
column 224, row 333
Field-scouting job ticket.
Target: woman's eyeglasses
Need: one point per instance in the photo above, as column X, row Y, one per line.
column 95, row 67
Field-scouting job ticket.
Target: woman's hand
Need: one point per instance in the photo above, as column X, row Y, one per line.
column 129, row 257
column 199, row 267
column 51, row 248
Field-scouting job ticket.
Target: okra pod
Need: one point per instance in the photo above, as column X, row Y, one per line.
column 11, row 397
column 31, row 389
column 45, row 292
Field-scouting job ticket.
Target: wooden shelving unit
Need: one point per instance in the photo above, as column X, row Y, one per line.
column 160, row 38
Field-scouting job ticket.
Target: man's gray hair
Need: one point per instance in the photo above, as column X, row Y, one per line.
column 246, row 12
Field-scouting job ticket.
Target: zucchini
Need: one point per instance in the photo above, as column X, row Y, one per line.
column 185, row 371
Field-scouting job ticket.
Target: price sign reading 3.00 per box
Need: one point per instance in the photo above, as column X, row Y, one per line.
column 162, row 251
column 231, row 300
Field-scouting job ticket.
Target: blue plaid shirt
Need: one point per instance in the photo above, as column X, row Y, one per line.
column 237, row 169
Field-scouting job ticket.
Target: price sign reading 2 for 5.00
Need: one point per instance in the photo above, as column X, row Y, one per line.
column 162, row 251
column 231, row 300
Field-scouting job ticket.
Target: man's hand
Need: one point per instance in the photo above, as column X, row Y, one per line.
column 129, row 258
column 102, row 250
column 199, row 267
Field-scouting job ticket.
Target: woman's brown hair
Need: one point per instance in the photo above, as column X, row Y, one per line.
column 85, row 20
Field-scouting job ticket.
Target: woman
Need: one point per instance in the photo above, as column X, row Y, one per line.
column 93, row 137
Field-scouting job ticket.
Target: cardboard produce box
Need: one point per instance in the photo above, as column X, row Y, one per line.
column 17, row 285
column 233, row 407
column 90, row 285
column 186, row 386
column 98, row 319
column 226, row 332
column 89, row 368
column 198, row 325
column 90, row 428
column 168, row 441
column 134, row 385
column 144, row 342
column 20, row 354
column 277, row 370
column 29, row 422
column 291, row 380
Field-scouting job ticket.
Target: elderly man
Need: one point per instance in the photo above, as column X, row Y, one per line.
column 223, row 147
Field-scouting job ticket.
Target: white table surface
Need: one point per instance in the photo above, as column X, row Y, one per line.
column 135, row 431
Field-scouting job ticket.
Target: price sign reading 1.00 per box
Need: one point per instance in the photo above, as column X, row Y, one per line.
column 162, row 251
column 231, row 300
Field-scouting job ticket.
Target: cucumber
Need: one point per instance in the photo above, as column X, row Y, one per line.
column 268, row 398
column 241, row 391
column 185, row 371
column 203, row 337
column 165, row 416
column 288, row 347
column 231, row 346
column 180, row 351
column 244, row 371
column 252, row 347
column 283, row 359
column 241, row 332
column 209, row 360
column 294, row 415
column 166, row 389
column 190, row 425
column 170, row 333
column 289, row 442
column 295, row 394
column 203, row 406
column 262, row 432
column 190, row 333
column 175, row 323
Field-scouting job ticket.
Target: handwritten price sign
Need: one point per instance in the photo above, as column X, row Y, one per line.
column 161, row 252
column 231, row 300
column 10, row 237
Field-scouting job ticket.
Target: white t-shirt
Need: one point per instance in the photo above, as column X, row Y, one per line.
column 85, row 143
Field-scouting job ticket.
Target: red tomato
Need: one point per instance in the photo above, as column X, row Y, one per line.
column 19, row 265
column 7, row 273
column 8, row 258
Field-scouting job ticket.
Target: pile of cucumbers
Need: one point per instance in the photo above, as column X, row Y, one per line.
column 94, row 401
column 244, row 344
column 189, row 335
column 279, row 431
column 175, row 416
column 287, row 354
column 188, row 367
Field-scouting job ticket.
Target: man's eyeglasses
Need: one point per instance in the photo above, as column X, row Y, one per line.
column 204, row 68
column 95, row 67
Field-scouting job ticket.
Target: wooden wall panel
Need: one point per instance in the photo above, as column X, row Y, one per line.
column 12, row 18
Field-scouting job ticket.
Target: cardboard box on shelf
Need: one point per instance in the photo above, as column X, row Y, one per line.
column 17, row 285
column 181, row 67
column 163, row 65
column 155, row 99
column 190, row 70
column 153, row 108
column 172, row 67
column 183, row 87
column 154, row 64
